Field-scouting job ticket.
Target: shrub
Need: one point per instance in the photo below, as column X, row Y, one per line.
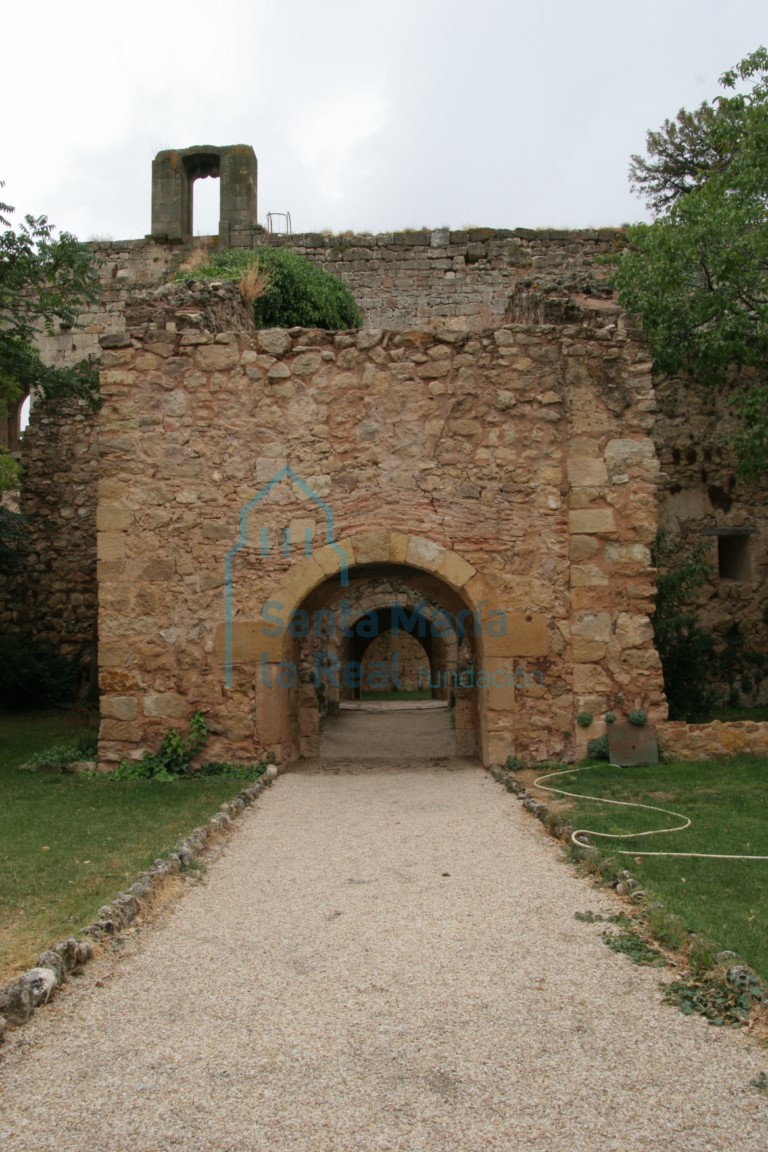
column 33, row 675
column 584, row 719
column 597, row 749
column 293, row 292
column 637, row 717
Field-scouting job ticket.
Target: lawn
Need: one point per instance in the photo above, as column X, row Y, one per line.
column 69, row 844
column 727, row 802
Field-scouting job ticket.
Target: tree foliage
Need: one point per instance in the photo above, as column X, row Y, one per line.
column 44, row 278
column 699, row 273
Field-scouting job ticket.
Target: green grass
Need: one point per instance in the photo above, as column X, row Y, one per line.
column 69, row 844
column 725, row 900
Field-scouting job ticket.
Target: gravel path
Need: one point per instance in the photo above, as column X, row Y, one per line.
column 386, row 960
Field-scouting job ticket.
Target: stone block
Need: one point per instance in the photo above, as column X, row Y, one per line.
column 587, row 575
column 119, row 707
column 526, row 635
column 589, row 679
column 275, row 341
column 114, row 518
column 111, row 545
column 372, row 548
column 119, row 730
column 500, row 691
column 332, row 558
column 587, row 651
column 270, row 706
column 586, row 521
column 629, row 455
column 306, row 363
column 217, row 357
column 118, row 679
column 279, row 372
column 587, row 472
column 424, row 554
column 298, row 582
column 593, row 626
column 633, row 631
column 583, row 548
column 113, row 653
column 398, row 547
column 455, row 571
column 166, row 706
column 638, row 554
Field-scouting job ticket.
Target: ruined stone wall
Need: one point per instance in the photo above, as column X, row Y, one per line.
column 705, row 504
column 53, row 594
column 513, row 470
column 400, row 280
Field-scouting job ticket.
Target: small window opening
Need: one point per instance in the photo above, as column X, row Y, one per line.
column 206, row 200
column 734, row 560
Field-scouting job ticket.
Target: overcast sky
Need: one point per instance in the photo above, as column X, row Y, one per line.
column 367, row 115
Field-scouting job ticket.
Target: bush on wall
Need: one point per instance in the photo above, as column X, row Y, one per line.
column 293, row 292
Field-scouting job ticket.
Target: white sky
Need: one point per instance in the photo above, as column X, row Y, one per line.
column 364, row 114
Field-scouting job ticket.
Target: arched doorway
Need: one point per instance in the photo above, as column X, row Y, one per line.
column 317, row 657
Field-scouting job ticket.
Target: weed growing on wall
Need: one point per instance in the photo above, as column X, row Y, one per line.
column 173, row 759
column 292, row 291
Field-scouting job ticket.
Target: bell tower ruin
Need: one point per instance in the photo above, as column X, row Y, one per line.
column 173, row 175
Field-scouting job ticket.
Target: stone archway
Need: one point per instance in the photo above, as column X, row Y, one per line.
column 286, row 705
column 383, row 638
column 392, row 605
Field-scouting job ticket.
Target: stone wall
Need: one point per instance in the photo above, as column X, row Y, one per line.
column 52, row 594
column 712, row 741
column 509, row 474
column 57, row 586
column 400, row 280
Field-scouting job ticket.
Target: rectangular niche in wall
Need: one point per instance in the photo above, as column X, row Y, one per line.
column 734, row 553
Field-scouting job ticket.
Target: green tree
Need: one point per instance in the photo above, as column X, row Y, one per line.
column 44, row 278
column 698, row 274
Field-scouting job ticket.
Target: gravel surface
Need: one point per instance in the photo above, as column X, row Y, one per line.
column 421, row 730
column 386, row 960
